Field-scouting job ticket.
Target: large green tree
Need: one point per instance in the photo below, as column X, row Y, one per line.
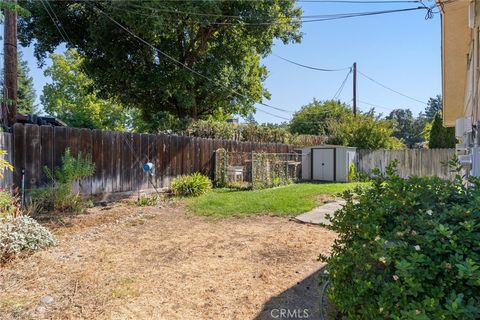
column 407, row 128
column 223, row 41
column 72, row 97
column 25, row 90
column 314, row 118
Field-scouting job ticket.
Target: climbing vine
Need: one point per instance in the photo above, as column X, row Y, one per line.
column 221, row 168
column 269, row 170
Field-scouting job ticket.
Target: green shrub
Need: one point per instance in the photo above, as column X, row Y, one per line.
column 22, row 234
column 211, row 129
column 270, row 133
column 191, row 185
column 61, row 197
column 407, row 249
column 9, row 204
column 361, row 177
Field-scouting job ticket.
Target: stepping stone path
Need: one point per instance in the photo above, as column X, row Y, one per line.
column 318, row 215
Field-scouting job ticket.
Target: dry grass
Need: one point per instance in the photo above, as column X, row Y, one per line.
column 126, row 262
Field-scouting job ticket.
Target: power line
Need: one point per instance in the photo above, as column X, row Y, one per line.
column 310, row 67
column 272, row 114
column 54, row 22
column 364, row 14
column 339, row 91
column 388, row 88
column 301, row 19
column 377, row 106
column 182, row 64
column 59, row 22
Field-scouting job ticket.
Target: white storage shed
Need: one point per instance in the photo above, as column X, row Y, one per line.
column 327, row 163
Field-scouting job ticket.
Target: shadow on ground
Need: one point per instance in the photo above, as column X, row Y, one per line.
column 302, row 301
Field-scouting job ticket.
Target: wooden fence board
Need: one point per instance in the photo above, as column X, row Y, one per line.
column 85, row 146
column 143, row 157
column 126, row 161
column 46, row 150
column 170, row 157
column 411, row 162
column 18, row 153
column 137, row 153
column 97, row 159
column 32, row 158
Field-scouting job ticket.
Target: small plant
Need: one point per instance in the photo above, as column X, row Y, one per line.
column 20, row 235
column 9, row 205
column 4, row 164
column 147, row 200
column 351, row 172
column 362, row 177
column 61, row 197
column 192, row 185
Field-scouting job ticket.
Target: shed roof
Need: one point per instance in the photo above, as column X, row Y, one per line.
column 329, row 146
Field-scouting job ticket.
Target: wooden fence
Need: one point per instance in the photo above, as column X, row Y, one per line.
column 418, row 162
column 118, row 156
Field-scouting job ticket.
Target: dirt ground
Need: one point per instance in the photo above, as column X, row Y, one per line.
column 127, row 262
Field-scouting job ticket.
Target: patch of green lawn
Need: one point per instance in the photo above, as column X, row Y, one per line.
column 288, row 200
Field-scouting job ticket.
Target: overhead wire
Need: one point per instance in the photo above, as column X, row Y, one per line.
column 184, row 65
column 54, row 22
column 340, row 89
column 310, row 67
column 388, row 88
column 376, row 105
column 272, row 114
column 301, row 19
column 59, row 22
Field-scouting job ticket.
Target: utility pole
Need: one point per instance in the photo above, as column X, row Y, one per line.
column 355, row 89
column 9, row 105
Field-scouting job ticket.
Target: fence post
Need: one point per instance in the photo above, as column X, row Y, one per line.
column 253, row 169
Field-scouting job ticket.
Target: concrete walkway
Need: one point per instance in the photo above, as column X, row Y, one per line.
column 317, row 215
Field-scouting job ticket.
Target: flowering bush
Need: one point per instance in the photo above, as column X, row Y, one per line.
column 22, row 234
column 407, row 249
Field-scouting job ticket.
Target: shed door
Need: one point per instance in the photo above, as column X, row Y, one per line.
column 323, row 164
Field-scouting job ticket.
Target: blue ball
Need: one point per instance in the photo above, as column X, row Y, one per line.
column 147, row 166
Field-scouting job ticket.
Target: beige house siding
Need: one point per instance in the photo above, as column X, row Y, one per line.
column 456, row 42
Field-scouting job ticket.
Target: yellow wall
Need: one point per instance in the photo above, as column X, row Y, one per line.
column 456, row 37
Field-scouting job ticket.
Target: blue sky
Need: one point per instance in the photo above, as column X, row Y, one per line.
column 400, row 50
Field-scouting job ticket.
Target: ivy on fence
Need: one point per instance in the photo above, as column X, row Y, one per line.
column 221, row 168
